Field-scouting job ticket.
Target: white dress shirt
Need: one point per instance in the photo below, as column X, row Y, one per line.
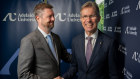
column 94, row 36
column 45, row 35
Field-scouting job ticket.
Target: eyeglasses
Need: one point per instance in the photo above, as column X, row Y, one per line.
column 90, row 16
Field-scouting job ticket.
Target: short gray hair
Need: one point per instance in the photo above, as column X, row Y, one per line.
column 40, row 7
column 90, row 4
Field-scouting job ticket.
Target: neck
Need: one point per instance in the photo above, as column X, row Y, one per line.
column 90, row 33
column 44, row 29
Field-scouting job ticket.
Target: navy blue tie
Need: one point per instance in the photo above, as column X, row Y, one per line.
column 51, row 46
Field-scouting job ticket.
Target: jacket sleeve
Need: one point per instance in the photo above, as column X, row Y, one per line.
column 25, row 60
column 112, row 59
column 73, row 66
column 65, row 56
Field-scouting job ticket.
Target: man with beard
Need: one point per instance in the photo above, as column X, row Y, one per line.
column 41, row 50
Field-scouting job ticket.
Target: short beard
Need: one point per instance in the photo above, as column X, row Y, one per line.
column 49, row 28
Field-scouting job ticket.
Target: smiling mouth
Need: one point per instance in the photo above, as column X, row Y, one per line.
column 51, row 22
column 89, row 24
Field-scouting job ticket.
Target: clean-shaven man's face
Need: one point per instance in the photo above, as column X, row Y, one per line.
column 89, row 19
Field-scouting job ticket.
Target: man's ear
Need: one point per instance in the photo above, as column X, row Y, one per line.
column 37, row 18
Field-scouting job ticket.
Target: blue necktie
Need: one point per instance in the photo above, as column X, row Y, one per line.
column 51, row 46
column 89, row 49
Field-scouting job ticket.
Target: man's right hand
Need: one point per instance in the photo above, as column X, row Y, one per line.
column 58, row 77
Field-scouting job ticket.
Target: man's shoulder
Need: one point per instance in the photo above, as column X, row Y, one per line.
column 104, row 35
column 106, row 38
column 54, row 34
column 30, row 36
column 78, row 37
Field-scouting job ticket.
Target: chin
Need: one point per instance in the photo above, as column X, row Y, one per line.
column 90, row 30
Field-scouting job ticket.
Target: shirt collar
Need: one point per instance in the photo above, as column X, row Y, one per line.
column 94, row 35
column 44, row 34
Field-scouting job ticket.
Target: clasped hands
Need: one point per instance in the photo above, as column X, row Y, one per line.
column 58, row 77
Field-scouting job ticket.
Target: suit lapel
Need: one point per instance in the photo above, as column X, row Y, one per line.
column 96, row 49
column 55, row 41
column 45, row 45
column 82, row 48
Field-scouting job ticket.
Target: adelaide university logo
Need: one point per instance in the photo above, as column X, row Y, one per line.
column 60, row 15
column 136, row 57
column 20, row 17
column 67, row 17
column 10, row 16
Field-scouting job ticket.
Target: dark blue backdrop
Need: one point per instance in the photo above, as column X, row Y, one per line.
column 122, row 21
column 17, row 20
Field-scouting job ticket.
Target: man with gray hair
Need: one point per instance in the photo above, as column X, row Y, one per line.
column 93, row 52
column 41, row 50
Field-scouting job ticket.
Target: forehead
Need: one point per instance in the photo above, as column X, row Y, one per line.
column 88, row 10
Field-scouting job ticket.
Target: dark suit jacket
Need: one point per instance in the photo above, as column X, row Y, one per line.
column 36, row 61
column 102, row 64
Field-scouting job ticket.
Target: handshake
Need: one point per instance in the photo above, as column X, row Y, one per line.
column 58, row 77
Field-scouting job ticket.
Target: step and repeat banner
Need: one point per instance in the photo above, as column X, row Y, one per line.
column 122, row 21
column 17, row 20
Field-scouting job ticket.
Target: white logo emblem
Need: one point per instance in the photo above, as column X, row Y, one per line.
column 136, row 57
column 111, row 2
column 117, row 29
column 10, row 15
column 138, row 6
column 114, row 14
column 127, row 74
column 122, row 49
column 131, row 30
column 125, row 9
column 59, row 15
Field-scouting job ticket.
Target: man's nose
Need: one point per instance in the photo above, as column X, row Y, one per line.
column 53, row 19
column 88, row 19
